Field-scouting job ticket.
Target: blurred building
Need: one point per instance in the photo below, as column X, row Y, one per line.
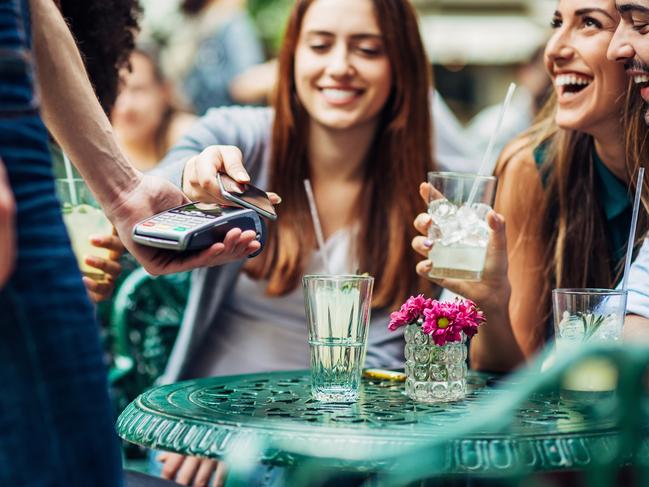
column 478, row 46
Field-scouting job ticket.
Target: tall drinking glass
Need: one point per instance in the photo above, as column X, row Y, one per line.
column 580, row 316
column 338, row 314
column 83, row 218
column 459, row 232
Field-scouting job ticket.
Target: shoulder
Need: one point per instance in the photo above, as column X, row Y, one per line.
column 179, row 125
column 520, row 188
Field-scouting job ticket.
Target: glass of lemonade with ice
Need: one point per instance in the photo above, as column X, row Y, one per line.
column 83, row 218
column 459, row 231
column 338, row 314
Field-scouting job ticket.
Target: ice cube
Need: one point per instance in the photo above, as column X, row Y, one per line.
column 571, row 327
column 481, row 210
column 610, row 329
column 441, row 210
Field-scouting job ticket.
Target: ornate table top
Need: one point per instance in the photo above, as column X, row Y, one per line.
column 207, row 417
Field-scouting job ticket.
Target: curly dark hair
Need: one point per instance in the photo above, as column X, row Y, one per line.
column 105, row 32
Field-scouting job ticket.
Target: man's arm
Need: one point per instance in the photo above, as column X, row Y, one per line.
column 73, row 115
column 7, row 227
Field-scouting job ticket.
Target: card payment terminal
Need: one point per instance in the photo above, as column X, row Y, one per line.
column 196, row 226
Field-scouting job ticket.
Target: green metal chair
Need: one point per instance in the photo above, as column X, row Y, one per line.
column 145, row 319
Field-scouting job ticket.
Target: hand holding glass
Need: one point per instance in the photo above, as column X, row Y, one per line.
column 459, row 229
column 83, row 218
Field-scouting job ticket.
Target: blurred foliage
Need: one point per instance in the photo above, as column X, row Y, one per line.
column 270, row 17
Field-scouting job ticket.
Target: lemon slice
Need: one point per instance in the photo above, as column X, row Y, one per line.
column 382, row 374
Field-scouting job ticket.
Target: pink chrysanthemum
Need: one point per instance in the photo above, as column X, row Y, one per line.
column 446, row 321
column 411, row 311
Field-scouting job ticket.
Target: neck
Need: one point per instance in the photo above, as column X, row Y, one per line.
column 339, row 154
column 610, row 149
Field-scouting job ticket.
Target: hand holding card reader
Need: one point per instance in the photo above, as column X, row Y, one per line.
column 196, row 226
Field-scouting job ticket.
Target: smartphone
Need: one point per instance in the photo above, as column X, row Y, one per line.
column 246, row 195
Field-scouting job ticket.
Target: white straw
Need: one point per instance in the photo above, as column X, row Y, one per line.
column 316, row 224
column 486, row 166
column 634, row 223
column 70, row 179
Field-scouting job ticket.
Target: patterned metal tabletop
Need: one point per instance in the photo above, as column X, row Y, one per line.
column 209, row 417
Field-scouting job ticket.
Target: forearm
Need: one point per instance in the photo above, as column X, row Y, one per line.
column 495, row 347
column 636, row 329
column 71, row 110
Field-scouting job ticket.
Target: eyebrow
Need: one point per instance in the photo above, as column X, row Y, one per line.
column 586, row 11
column 361, row 36
column 632, row 7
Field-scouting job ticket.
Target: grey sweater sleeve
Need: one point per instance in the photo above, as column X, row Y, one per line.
column 247, row 128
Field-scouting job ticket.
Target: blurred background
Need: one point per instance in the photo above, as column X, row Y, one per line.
column 476, row 47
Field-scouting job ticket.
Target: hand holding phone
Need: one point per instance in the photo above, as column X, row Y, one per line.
column 246, row 196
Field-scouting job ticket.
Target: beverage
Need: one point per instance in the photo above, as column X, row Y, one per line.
column 81, row 222
column 83, row 218
column 338, row 312
column 336, row 369
column 582, row 316
column 460, row 233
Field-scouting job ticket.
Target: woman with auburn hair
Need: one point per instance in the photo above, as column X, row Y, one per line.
column 565, row 190
column 351, row 113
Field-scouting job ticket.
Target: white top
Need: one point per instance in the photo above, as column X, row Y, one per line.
column 638, row 299
column 258, row 333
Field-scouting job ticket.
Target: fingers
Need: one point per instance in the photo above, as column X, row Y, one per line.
column 428, row 193
column 172, row 462
column 110, row 267
column 204, row 181
column 422, row 245
column 99, row 291
column 110, row 242
column 220, row 475
column 188, row 470
column 496, row 222
column 233, row 164
column 274, row 198
column 205, row 470
column 423, row 268
column 423, row 223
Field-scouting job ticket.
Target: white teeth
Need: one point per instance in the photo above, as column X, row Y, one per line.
column 571, row 79
column 641, row 79
column 338, row 95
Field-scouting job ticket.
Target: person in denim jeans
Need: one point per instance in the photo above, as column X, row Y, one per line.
column 56, row 425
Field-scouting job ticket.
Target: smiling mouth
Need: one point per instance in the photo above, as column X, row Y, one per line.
column 571, row 84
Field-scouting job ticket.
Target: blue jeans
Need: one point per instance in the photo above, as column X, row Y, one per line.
column 56, row 425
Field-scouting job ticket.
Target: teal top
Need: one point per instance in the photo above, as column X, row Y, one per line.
column 613, row 196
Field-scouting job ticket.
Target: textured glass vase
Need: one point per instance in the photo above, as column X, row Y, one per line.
column 434, row 374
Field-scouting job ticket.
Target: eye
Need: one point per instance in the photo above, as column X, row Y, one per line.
column 555, row 23
column 369, row 51
column 591, row 22
column 318, row 46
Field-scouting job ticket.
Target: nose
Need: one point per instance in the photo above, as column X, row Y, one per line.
column 620, row 49
column 558, row 49
column 340, row 64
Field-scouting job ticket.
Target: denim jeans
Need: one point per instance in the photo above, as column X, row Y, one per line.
column 56, row 425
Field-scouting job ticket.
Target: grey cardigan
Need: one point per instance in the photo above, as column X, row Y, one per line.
column 249, row 129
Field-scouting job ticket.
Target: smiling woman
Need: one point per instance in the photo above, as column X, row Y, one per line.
column 563, row 191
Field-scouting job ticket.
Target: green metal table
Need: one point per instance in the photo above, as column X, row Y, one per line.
column 210, row 417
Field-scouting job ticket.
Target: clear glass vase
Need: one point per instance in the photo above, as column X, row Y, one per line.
column 434, row 373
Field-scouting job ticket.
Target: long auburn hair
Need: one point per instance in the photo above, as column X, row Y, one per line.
column 396, row 163
column 571, row 221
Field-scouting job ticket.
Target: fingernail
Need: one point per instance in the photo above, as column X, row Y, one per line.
column 243, row 176
column 279, row 200
column 428, row 243
column 95, row 239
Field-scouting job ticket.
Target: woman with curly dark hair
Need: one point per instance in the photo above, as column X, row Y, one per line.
column 105, row 32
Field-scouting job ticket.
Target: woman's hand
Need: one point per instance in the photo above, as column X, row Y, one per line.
column 103, row 289
column 191, row 470
column 493, row 291
column 199, row 177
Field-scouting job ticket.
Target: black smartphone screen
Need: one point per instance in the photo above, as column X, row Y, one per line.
column 246, row 195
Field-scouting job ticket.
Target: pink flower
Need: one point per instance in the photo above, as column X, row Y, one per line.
column 411, row 311
column 445, row 321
